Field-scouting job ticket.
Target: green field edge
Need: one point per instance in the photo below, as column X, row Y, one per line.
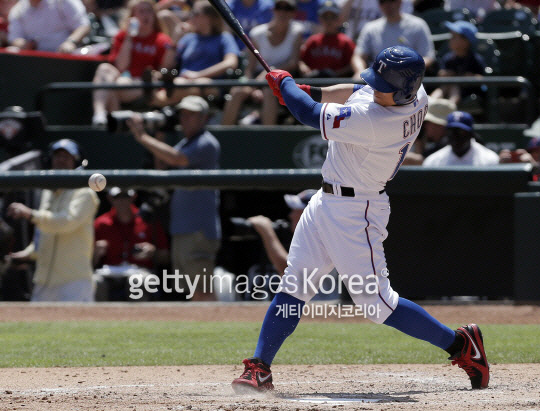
column 176, row 343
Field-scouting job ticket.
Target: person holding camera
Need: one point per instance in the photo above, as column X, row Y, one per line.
column 195, row 226
column 529, row 155
column 63, row 235
column 275, row 251
column 276, row 243
column 123, row 237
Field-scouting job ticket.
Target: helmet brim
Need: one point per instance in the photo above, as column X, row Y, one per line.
column 377, row 82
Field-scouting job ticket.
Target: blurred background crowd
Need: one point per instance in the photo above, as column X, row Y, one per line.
column 185, row 46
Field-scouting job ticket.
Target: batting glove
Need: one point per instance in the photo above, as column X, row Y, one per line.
column 274, row 79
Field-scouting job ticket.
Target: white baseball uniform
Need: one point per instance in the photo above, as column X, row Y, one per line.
column 367, row 143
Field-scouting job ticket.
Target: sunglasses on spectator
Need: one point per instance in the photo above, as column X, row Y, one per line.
column 386, row 1
column 284, row 7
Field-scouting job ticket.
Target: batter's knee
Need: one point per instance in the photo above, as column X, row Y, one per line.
column 387, row 301
column 378, row 306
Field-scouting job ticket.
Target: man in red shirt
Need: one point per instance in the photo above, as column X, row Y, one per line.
column 123, row 237
column 327, row 54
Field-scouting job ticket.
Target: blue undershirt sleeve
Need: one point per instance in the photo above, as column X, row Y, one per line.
column 300, row 104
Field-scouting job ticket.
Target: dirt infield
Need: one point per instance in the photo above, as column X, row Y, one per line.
column 329, row 387
column 298, row 387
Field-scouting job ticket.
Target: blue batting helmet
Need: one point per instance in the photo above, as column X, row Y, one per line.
column 399, row 70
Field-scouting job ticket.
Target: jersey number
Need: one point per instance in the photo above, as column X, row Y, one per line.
column 402, row 154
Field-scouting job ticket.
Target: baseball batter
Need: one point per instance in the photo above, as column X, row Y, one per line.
column 369, row 131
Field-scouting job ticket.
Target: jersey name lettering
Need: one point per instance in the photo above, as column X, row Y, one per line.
column 414, row 122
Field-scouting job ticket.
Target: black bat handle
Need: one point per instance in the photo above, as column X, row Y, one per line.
column 258, row 56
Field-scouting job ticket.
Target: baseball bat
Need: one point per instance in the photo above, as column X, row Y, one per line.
column 225, row 11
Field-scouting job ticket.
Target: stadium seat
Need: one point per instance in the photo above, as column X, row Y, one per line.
column 516, row 50
column 486, row 48
column 491, row 55
column 435, row 18
column 506, row 20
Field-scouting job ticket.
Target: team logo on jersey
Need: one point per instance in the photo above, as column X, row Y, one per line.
column 340, row 121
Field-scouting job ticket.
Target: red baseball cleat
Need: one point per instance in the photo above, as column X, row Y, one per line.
column 472, row 357
column 256, row 377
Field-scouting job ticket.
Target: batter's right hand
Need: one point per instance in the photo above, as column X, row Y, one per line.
column 274, row 79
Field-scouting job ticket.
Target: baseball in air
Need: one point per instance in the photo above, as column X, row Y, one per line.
column 97, row 182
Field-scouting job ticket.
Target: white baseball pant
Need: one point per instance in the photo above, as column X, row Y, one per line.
column 346, row 233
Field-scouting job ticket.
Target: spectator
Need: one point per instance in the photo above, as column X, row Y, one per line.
column 104, row 18
column 124, row 237
column 275, row 251
column 530, row 155
column 533, row 148
column 204, row 52
column 356, row 13
column 533, row 5
column 48, row 25
column 5, row 7
column 394, row 28
column 172, row 15
column 463, row 149
column 307, row 15
column 194, row 222
column 63, row 235
column 133, row 52
column 279, row 42
column 327, row 54
column 461, row 60
column 276, row 243
column 251, row 13
column 433, row 134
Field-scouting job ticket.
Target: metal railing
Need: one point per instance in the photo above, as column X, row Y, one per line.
column 411, row 180
column 493, row 84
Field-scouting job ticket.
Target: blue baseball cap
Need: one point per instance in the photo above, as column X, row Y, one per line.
column 328, row 5
column 69, row 145
column 460, row 119
column 466, row 29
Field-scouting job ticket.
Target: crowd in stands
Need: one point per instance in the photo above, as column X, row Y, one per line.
column 184, row 42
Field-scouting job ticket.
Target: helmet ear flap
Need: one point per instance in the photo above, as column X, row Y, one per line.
column 402, row 97
column 397, row 69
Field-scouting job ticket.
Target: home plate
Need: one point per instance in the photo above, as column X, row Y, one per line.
column 329, row 400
